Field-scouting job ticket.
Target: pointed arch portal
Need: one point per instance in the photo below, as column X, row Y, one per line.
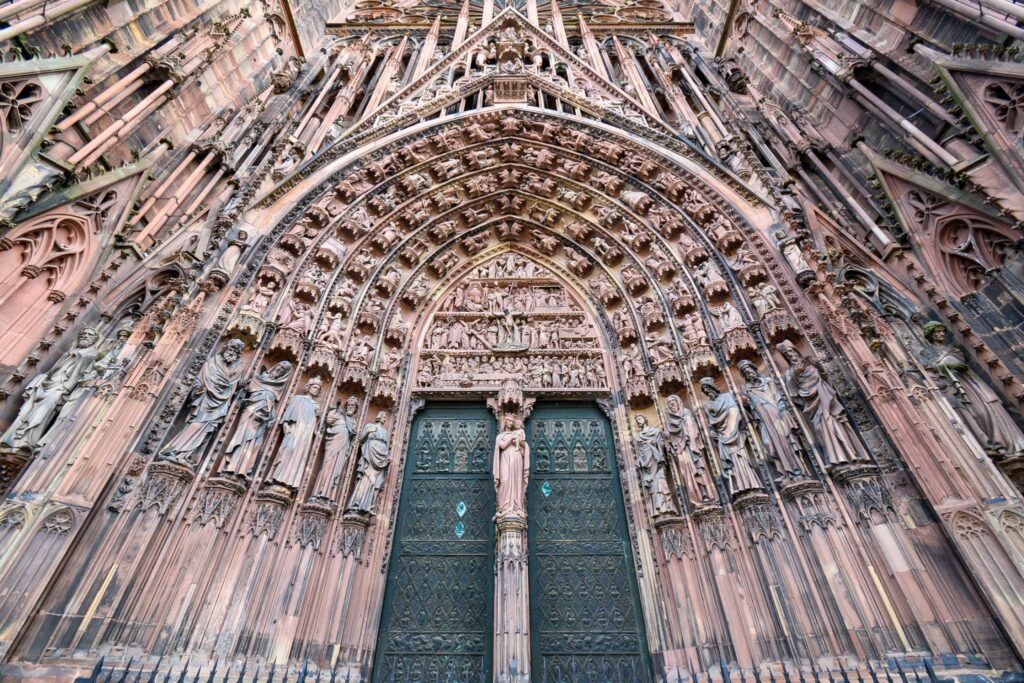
column 510, row 315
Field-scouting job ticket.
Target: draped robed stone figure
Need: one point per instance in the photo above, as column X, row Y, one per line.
column 775, row 425
column 46, row 394
column 338, row 435
column 299, row 425
column 108, row 363
column 511, row 469
column 261, row 398
column 686, row 444
column 650, row 459
column 374, row 457
column 730, row 438
column 974, row 401
column 816, row 398
column 208, row 404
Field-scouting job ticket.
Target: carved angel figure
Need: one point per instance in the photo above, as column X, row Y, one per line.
column 765, row 298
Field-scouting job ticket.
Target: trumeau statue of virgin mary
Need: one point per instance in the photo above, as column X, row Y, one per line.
column 511, row 469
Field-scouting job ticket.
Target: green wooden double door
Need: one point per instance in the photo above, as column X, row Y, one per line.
column 585, row 618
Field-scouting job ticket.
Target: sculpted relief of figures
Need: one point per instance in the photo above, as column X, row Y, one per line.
column 509, row 318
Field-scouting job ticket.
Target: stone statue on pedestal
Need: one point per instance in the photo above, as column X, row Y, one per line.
column 45, row 395
column 208, row 404
column 341, row 429
column 262, row 395
column 775, row 424
column 820, row 405
column 686, row 443
column 650, row 445
column 731, row 441
column 299, row 425
column 511, row 469
column 972, row 399
column 374, row 457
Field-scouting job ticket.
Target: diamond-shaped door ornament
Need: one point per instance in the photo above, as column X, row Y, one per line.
column 460, row 530
column 461, row 508
column 545, row 488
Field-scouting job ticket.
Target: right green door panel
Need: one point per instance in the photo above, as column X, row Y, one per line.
column 585, row 621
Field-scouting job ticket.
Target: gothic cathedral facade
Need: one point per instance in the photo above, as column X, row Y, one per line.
column 511, row 341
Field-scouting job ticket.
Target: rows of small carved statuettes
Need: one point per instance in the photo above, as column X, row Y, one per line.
column 892, row 670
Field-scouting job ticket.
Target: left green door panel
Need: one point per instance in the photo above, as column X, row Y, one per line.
column 437, row 617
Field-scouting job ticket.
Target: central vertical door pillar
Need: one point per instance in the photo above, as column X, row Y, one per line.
column 511, row 602
column 511, row 567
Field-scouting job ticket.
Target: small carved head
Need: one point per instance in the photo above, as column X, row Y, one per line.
column 748, row 370
column 232, row 350
column 280, row 369
column 87, row 337
column 674, row 403
column 313, row 387
column 790, row 352
column 935, row 332
column 641, row 421
column 709, row 388
column 351, row 405
column 382, row 417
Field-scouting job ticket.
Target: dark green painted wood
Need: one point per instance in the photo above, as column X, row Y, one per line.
column 437, row 619
column 586, row 623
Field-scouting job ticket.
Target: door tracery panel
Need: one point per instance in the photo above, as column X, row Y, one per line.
column 586, row 622
column 437, row 617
